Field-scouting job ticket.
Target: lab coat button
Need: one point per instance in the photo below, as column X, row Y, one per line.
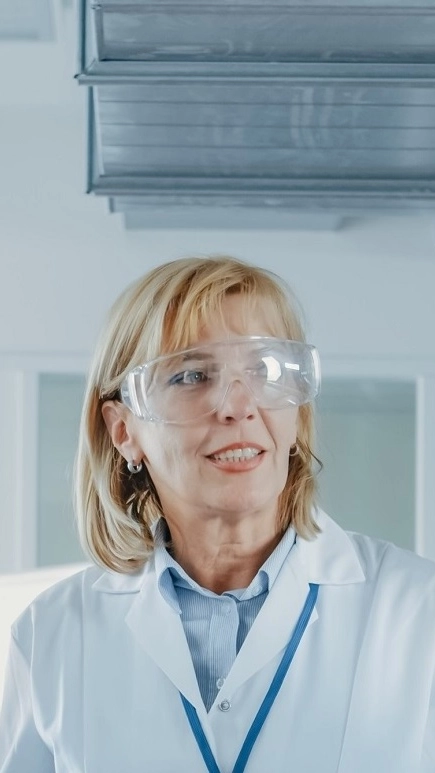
column 224, row 705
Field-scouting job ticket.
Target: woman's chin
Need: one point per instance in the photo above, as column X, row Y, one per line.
column 242, row 504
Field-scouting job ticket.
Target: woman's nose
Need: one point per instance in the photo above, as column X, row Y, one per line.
column 238, row 403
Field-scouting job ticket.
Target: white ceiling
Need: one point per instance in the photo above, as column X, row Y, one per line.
column 38, row 71
column 27, row 20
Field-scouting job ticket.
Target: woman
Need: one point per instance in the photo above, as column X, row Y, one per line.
column 228, row 624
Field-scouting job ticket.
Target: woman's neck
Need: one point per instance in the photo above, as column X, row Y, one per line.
column 219, row 556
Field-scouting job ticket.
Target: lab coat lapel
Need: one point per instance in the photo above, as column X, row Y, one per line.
column 274, row 624
column 330, row 558
column 159, row 630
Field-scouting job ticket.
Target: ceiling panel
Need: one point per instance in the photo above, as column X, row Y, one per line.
column 196, row 217
column 26, row 20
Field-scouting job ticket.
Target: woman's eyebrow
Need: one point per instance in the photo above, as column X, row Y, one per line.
column 197, row 353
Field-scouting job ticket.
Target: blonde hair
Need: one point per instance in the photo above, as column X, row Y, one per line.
column 160, row 313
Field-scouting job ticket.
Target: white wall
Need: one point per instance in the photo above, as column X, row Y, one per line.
column 367, row 289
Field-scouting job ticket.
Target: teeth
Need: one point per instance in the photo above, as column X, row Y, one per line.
column 237, row 454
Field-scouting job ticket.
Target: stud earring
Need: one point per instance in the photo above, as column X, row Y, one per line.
column 134, row 468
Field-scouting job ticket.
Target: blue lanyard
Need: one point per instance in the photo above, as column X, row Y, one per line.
column 265, row 707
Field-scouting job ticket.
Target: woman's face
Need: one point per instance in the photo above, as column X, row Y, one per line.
column 181, row 459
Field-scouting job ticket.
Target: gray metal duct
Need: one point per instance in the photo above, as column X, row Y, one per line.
column 259, row 112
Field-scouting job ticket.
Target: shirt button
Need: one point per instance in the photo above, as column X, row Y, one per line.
column 227, row 607
column 220, row 682
column 224, row 705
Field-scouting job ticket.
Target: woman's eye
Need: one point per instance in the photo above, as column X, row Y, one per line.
column 191, row 377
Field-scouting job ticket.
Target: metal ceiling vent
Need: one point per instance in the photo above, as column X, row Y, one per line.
column 268, row 110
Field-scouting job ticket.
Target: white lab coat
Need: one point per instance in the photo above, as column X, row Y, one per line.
column 97, row 663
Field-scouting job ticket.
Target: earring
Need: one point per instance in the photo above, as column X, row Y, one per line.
column 134, row 468
column 294, row 450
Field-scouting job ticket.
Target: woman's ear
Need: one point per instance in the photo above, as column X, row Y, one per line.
column 115, row 418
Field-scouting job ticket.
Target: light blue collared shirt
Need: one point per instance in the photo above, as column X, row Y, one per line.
column 215, row 625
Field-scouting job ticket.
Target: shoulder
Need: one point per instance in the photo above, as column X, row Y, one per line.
column 60, row 597
column 55, row 633
column 337, row 556
column 378, row 556
column 64, row 605
column 395, row 577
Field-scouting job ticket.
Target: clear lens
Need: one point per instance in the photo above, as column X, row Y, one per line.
column 183, row 387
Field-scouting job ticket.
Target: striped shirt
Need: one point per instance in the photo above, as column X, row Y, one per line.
column 215, row 625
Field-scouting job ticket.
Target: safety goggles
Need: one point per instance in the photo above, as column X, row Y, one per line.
column 185, row 386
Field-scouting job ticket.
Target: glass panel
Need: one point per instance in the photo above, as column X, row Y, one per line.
column 60, row 401
column 366, row 441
